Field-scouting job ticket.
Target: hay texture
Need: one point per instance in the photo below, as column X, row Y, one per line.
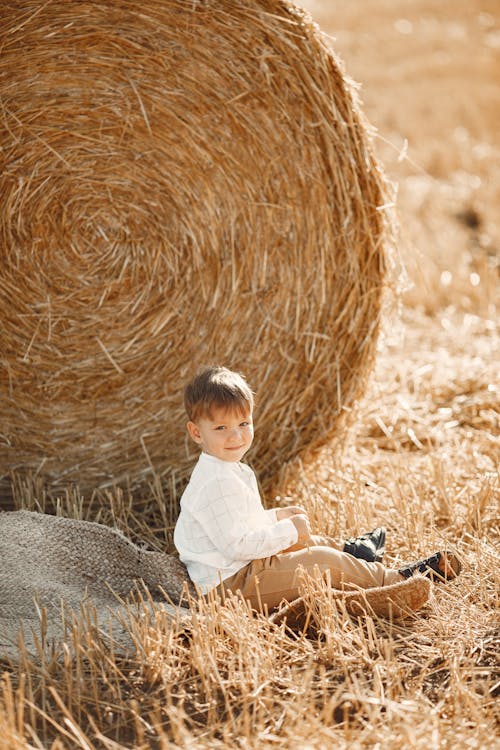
column 182, row 183
column 399, row 601
column 60, row 564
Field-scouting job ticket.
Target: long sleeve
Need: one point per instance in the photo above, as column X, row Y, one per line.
column 238, row 530
column 271, row 515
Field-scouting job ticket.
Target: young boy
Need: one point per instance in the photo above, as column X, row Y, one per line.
column 228, row 540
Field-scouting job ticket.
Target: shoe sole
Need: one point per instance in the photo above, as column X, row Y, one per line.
column 439, row 567
column 449, row 567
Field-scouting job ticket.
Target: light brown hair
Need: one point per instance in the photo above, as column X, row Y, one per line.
column 216, row 387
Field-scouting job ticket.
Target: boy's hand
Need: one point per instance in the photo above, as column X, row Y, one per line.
column 301, row 523
column 292, row 510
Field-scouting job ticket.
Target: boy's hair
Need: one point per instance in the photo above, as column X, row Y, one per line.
column 216, row 387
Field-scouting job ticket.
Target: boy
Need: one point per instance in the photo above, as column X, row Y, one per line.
column 229, row 541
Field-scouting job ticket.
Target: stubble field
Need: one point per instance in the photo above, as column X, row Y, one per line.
column 421, row 458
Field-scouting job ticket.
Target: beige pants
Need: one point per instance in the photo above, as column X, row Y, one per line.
column 266, row 582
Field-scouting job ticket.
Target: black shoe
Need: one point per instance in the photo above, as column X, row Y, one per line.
column 441, row 566
column 369, row 546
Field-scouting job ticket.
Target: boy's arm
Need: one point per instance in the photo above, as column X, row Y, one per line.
column 223, row 516
column 278, row 514
column 301, row 523
column 292, row 510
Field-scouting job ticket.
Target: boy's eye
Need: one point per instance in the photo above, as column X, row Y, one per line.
column 220, row 427
column 245, row 424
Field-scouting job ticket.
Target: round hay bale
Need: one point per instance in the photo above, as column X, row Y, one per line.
column 182, row 183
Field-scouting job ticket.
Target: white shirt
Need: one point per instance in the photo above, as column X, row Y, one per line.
column 223, row 525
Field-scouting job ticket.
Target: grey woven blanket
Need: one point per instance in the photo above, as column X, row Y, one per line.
column 52, row 563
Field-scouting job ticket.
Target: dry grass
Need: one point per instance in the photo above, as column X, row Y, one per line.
column 232, row 679
column 429, row 74
column 422, row 457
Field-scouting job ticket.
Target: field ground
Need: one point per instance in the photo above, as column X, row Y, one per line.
column 422, row 458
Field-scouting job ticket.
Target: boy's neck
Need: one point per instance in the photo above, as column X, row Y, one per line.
column 221, row 460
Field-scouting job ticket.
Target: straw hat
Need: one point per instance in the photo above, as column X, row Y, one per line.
column 182, row 183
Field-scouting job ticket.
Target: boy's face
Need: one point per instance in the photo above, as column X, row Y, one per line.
column 226, row 434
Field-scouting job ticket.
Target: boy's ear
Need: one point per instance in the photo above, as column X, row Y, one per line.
column 194, row 432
